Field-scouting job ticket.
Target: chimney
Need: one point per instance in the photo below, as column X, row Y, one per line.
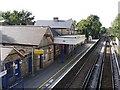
column 55, row 19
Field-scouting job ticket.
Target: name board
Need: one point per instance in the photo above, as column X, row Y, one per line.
column 38, row 51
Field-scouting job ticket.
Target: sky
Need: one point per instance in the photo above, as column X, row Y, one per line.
column 107, row 10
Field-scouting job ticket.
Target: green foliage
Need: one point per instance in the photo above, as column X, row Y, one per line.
column 115, row 29
column 81, row 26
column 90, row 26
column 1, row 18
column 103, row 30
column 18, row 17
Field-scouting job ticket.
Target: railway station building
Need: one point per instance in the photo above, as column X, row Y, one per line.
column 24, row 50
column 64, row 32
column 27, row 49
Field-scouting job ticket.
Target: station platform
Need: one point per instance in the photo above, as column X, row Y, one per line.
column 47, row 75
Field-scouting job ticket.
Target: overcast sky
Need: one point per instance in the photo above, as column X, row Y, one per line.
column 65, row 9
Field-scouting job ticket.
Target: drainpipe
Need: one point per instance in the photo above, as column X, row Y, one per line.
column 54, row 52
column 1, row 64
column 32, row 61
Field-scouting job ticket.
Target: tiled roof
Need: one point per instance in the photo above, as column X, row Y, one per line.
column 55, row 24
column 55, row 33
column 27, row 35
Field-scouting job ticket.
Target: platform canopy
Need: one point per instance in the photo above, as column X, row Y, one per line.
column 69, row 39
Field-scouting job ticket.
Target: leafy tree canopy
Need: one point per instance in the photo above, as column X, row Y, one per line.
column 115, row 28
column 103, row 30
column 90, row 26
column 81, row 26
column 18, row 17
column 1, row 18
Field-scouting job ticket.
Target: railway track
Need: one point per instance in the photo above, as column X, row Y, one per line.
column 75, row 78
column 106, row 73
column 96, row 69
column 109, row 78
column 106, row 80
column 86, row 69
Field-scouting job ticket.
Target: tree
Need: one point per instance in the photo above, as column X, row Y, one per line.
column 103, row 30
column 90, row 26
column 1, row 18
column 95, row 25
column 115, row 28
column 81, row 26
column 18, row 17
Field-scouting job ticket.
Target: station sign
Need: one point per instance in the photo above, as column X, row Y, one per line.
column 3, row 73
column 36, row 51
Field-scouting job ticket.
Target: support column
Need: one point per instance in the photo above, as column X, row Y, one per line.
column 54, row 52
column 0, row 68
column 0, row 77
column 63, row 57
column 41, row 61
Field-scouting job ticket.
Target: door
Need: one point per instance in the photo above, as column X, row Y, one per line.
column 17, row 68
column 9, row 68
column 30, row 64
